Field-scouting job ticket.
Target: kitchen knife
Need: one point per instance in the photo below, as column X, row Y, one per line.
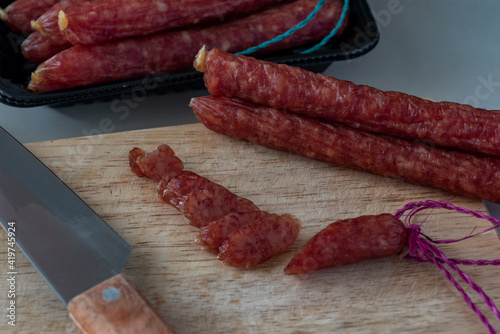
column 494, row 211
column 77, row 253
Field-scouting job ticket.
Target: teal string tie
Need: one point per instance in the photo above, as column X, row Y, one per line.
column 301, row 25
column 332, row 33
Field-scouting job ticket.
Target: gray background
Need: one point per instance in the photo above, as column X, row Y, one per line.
column 440, row 49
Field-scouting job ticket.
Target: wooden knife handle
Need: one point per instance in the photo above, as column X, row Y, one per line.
column 116, row 306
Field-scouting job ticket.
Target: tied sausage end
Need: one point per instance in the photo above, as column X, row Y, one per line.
column 37, row 27
column 200, row 61
column 36, row 79
column 62, row 20
column 3, row 15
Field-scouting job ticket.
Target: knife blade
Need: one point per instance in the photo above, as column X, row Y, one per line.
column 494, row 211
column 77, row 253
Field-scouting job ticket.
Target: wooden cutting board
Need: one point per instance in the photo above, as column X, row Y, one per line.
column 196, row 293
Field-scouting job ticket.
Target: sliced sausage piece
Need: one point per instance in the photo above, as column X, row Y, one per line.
column 291, row 88
column 350, row 241
column 201, row 200
column 456, row 172
column 133, row 156
column 245, row 235
column 160, row 164
column 258, row 241
column 213, row 235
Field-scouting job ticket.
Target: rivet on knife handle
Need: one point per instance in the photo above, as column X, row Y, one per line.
column 116, row 306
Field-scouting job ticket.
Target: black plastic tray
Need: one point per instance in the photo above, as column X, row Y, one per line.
column 360, row 37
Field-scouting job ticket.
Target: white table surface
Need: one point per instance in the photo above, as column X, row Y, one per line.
column 441, row 49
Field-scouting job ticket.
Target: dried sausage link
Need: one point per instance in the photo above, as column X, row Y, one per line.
column 456, row 172
column 19, row 14
column 281, row 86
column 100, row 21
column 47, row 23
column 143, row 56
column 36, row 48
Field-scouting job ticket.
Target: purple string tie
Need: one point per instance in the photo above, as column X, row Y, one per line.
column 424, row 249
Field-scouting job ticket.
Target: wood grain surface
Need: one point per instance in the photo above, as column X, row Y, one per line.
column 196, row 293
